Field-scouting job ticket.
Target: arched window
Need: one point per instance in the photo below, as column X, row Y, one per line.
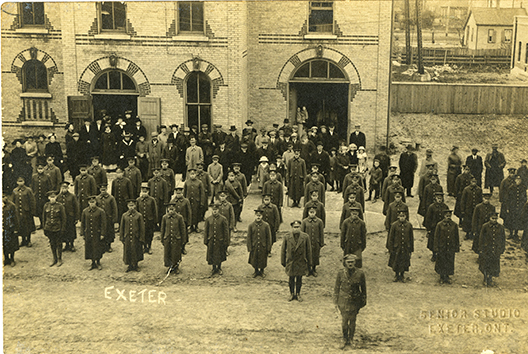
column 198, row 99
column 319, row 70
column 114, row 80
column 35, row 76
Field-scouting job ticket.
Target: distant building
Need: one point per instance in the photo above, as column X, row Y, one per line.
column 490, row 28
column 519, row 64
column 212, row 62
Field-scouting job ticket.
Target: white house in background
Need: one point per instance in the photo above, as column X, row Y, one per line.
column 490, row 28
column 519, row 64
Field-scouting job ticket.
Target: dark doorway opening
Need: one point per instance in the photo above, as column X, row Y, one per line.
column 325, row 103
column 114, row 105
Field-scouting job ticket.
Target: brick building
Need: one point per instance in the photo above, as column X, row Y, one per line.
column 196, row 62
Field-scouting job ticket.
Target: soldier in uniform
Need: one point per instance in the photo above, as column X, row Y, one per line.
column 427, row 196
column 132, row 234
column 494, row 163
column 9, row 231
column 173, row 238
column 167, row 174
column 503, row 192
column 93, row 228
column 73, row 214
column 296, row 258
column 314, row 228
column 388, row 180
column 319, row 207
column 216, row 234
column 54, row 173
column 239, row 176
column 471, row 196
column 54, row 224
column 388, row 196
column 41, row 185
column 226, row 210
column 108, row 203
column 270, row 214
column 194, row 191
column 314, row 184
column 122, row 190
column 98, row 172
column 446, row 244
column 434, row 215
column 356, row 188
column 276, row 190
column 206, row 182
column 134, row 175
column 400, row 244
column 480, row 217
column 159, row 190
column 296, row 171
column 454, row 163
column 394, row 210
column 462, row 181
column 514, row 204
column 408, row 166
column 84, row 186
column 146, row 205
column 25, row 204
column 491, row 245
column 235, row 194
column 259, row 242
column 354, row 236
column 183, row 207
column 350, row 295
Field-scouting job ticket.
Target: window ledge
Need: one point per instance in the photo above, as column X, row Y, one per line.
column 37, row 123
column 320, row 36
column 190, row 38
column 32, row 30
column 36, row 95
column 114, row 36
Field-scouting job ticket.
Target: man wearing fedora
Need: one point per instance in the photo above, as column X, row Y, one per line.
column 475, row 164
column 494, row 163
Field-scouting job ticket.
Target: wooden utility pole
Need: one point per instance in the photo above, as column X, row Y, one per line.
column 419, row 36
column 408, row 53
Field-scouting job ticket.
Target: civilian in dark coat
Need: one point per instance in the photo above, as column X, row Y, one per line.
column 109, row 152
column 471, row 197
column 93, row 228
column 9, row 231
column 446, row 244
column 523, row 172
column 475, row 165
column 481, row 216
column 491, row 245
column 400, row 244
column 108, row 203
column 54, row 224
column 125, row 148
column 25, row 204
column 259, row 242
column 122, row 190
column 73, row 214
column 494, row 163
column 408, row 166
column 322, row 158
column 246, row 158
column 76, row 151
column 89, row 136
column 296, row 258
column 384, row 161
column 350, row 295
column 148, row 208
column 20, row 161
column 314, row 228
column 132, row 234
column 357, row 137
column 173, row 238
column 216, row 235
column 53, row 148
column 354, row 236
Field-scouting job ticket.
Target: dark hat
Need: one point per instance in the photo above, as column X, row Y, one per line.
column 165, row 160
column 402, row 210
column 249, row 121
column 194, row 126
column 216, row 157
column 434, row 175
column 217, row 125
column 312, row 208
column 352, row 165
column 295, row 222
column 315, row 164
column 494, row 145
column 236, row 164
column 447, row 211
column 232, row 128
column 275, row 125
column 286, row 120
column 87, row 119
column 429, row 164
column 454, row 147
column 322, row 126
column 67, row 184
column 474, row 150
column 191, row 169
column 266, row 194
column 523, row 161
column 95, row 158
column 92, row 197
column 199, row 164
column 393, row 167
column 222, row 191
column 314, row 191
column 216, row 205
column 178, row 188
column 319, row 143
column 398, row 193
column 314, row 173
column 355, row 209
column 486, row 194
column 170, row 203
column 493, row 213
column 145, row 185
column 131, row 158
column 104, row 185
column 429, row 151
column 512, row 169
column 51, row 157
column 296, row 148
column 51, row 193
column 85, row 167
column 173, row 126
column 155, row 169
column 333, row 148
column 258, row 210
column 21, row 178
column 131, row 200
column 273, row 171
column 41, row 164
column 439, row 193
column 18, row 140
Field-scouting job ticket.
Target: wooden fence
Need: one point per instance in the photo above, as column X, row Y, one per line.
column 459, row 56
column 420, row 97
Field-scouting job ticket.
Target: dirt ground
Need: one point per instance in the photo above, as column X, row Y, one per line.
column 73, row 310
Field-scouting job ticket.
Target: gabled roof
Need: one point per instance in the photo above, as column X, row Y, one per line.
column 486, row 16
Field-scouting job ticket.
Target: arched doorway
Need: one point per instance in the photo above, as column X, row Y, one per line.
column 114, row 91
column 323, row 88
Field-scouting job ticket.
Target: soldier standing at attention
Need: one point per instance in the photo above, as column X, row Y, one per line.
column 446, row 244
column 296, row 258
column 93, row 229
column 216, row 234
column 149, row 210
column 108, row 203
column 173, row 237
column 491, row 245
column 25, row 204
column 9, row 231
column 54, row 224
column 194, row 190
column 350, row 295
column 354, row 236
column 314, row 228
column 84, row 186
column 400, row 244
column 259, row 243
column 159, row 190
column 132, row 234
